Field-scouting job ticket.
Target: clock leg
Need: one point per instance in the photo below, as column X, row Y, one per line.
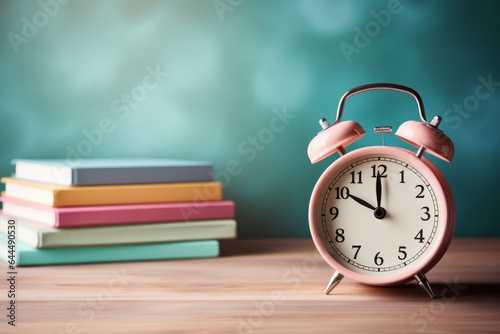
column 424, row 284
column 334, row 281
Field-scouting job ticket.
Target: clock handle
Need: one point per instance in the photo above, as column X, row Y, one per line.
column 381, row 86
column 424, row 135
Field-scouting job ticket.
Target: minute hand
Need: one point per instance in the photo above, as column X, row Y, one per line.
column 362, row 202
column 378, row 190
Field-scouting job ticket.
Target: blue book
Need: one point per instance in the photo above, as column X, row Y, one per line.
column 112, row 171
column 29, row 256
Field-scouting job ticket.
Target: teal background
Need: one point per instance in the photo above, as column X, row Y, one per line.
column 232, row 66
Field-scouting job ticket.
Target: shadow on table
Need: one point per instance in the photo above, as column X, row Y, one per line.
column 239, row 247
column 447, row 291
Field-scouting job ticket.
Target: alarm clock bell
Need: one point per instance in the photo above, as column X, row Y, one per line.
column 333, row 139
column 427, row 137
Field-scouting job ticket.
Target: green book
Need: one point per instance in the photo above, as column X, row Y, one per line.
column 40, row 236
column 29, row 256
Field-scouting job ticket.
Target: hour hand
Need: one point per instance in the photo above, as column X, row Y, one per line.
column 362, row 202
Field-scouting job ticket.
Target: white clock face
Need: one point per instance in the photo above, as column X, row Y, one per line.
column 377, row 215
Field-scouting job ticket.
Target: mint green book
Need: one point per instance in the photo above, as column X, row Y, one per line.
column 39, row 236
column 29, row 256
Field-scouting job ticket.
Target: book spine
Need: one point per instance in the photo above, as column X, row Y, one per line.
column 135, row 234
column 174, row 193
column 119, row 214
column 141, row 175
column 164, row 251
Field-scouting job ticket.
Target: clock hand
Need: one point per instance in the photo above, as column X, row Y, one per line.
column 378, row 189
column 362, row 202
column 379, row 212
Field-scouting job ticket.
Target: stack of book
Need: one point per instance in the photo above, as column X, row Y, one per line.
column 113, row 210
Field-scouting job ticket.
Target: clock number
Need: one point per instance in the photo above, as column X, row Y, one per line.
column 334, row 211
column 353, row 177
column 402, row 252
column 339, row 235
column 402, row 176
column 426, row 214
column 420, row 236
column 342, row 193
column 382, row 170
column 378, row 260
column 357, row 247
column 421, row 193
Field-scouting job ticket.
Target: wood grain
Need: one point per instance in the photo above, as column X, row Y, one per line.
column 256, row 286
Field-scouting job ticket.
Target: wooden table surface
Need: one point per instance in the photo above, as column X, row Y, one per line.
column 256, row 286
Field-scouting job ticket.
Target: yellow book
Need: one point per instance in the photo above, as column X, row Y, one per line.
column 61, row 196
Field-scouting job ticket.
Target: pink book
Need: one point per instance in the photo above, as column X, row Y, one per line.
column 117, row 214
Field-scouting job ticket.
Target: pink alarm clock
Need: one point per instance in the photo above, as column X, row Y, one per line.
column 381, row 215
